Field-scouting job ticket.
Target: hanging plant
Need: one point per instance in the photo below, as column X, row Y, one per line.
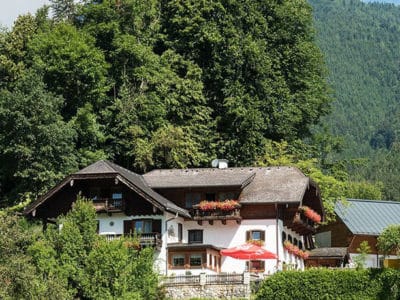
column 295, row 250
column 310, row 214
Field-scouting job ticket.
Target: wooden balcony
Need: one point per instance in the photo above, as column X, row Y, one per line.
column 301, row 224
column 109, row 205
column 152, row 239
column 216, row 214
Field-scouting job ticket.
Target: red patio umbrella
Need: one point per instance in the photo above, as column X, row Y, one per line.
column 248, row 251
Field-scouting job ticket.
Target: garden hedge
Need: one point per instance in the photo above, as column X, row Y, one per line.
column 332, row 284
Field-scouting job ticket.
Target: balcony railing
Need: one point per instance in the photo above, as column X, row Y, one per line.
column 108, row 205
column 152, row 239
column 216, row 212
column 301, row 224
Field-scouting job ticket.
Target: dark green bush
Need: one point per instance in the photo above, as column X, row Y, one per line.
column 332, row 284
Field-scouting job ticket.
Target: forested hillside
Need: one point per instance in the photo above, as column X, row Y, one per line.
column 361, row 44
column 153, row 84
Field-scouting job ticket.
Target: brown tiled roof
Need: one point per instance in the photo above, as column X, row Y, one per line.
column 328, row 252
column 275, row 184
column 259, row 184
column 207, row 177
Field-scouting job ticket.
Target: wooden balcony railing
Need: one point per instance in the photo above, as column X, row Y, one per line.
column 301, row 224
column 216, row 214
column 109, row 205
column 152, row 239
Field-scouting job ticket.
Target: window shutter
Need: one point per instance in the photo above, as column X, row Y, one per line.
column 128, row 227
column 262, row 235
column 156, row 226
column 248, row 235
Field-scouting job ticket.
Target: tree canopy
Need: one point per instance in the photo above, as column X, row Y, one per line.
column 155, row 84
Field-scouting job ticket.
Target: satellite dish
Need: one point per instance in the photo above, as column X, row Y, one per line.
column 215, row 163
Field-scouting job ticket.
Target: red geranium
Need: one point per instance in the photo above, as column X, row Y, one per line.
column 311, row 214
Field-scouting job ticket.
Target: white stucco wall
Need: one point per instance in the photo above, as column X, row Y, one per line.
column 233, row 234
column 219, row 235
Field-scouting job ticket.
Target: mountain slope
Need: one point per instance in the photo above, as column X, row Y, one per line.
column 361, row 43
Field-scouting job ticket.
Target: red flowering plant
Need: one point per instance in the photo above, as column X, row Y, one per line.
column 207, row 205
column 311, row 214
column 228, row 205
column 288, row 246
column 259, row 243
column 303, row 254
column 295, row 250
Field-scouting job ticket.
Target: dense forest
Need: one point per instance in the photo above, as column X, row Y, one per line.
column 360, row 43
column 175, row 84
column 152, row 85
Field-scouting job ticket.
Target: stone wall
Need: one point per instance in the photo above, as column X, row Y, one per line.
column 208, row 289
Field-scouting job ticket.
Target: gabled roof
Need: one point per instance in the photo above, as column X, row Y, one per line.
column 274, row 185
column 104, row 168
column 368, row 217
column 259, row 184
column 207, row 177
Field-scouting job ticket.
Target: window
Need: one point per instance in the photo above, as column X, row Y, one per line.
column 195, row 236
column 195, row 260
column 143, row 226
column 255, row 235
column 117, row 199
column 295, row 241
column 300, row 245
column 290, row 238
column 178, row 260
column 283, row 236
column 256, row 266
column 180, row 232
column 192, row 199
column 210, row 196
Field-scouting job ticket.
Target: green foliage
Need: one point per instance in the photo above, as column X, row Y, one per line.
column 333, row 182
column 331, row 284
column 160, row 84
column 389, row 240
column 36, row 144
column 19, row 277
column 360, row 42
column 260, row 66
column 90, row 267
column 363, row 251
column 71, row 66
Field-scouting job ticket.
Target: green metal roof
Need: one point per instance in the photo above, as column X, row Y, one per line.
column 368, row 217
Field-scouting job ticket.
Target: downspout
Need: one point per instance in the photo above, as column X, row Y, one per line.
column 166, row 242
column 277, row 236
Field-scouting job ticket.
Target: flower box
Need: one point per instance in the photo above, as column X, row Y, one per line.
column 310, row 214
column 227, row 205
column 259, row 243
column 295, row 250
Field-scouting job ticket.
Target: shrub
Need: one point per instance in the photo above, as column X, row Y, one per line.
column 332, row 284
